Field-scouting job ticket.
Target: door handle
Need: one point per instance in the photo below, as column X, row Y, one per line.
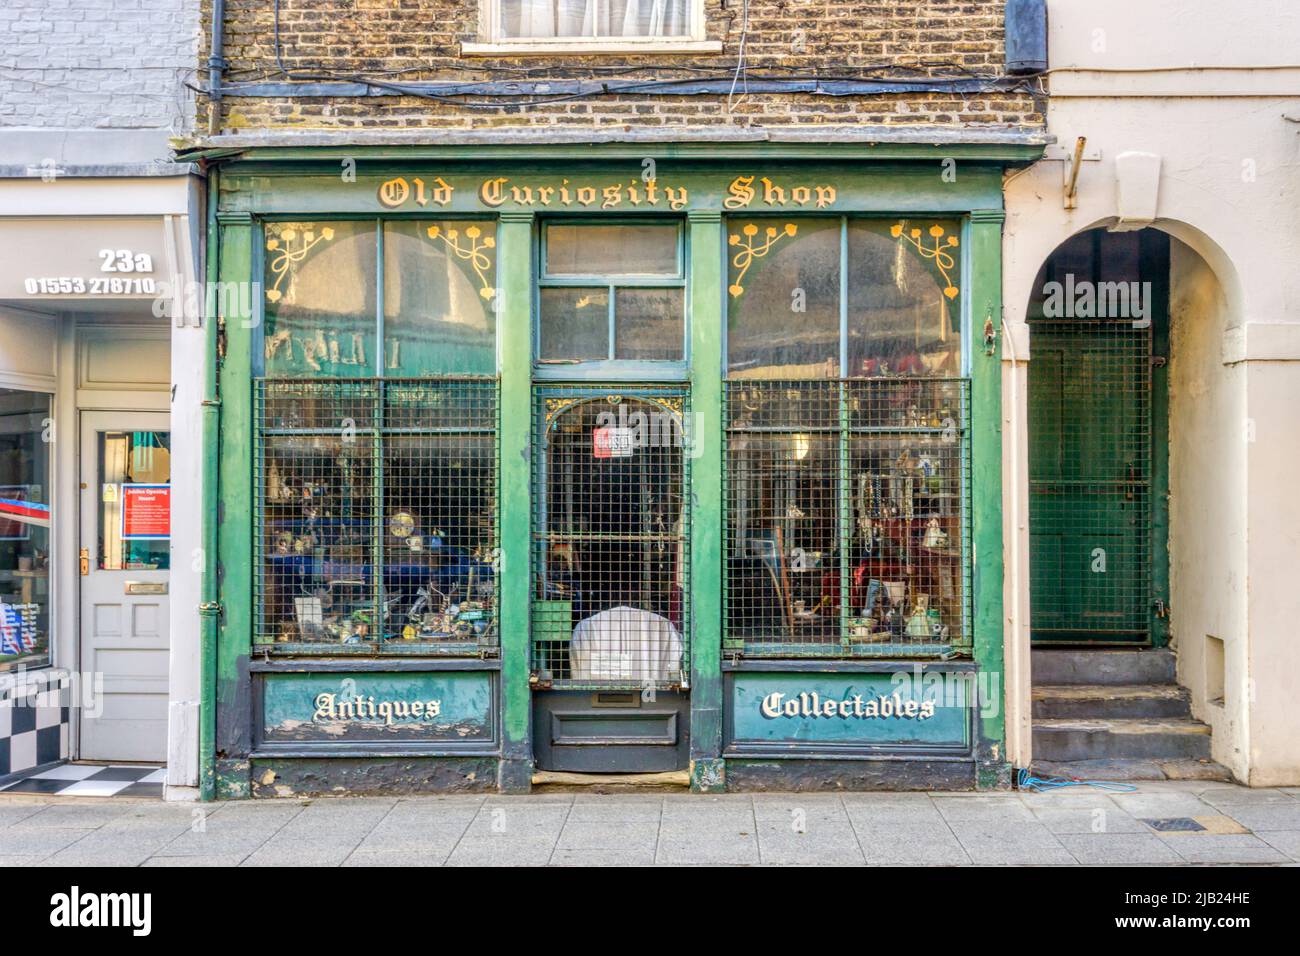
column 85, row 561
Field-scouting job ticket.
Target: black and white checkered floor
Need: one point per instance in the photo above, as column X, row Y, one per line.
column 92, row 780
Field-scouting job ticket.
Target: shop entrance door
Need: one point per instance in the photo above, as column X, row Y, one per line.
column 1097, row 443
column 611, row 647
column 124, row 564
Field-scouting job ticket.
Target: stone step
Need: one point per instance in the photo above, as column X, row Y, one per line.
column 1110, row 701
column 1061, row 739
column 1122, row 769
column 1053, row 665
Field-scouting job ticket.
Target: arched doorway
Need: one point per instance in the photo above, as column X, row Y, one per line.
column 1098, row 443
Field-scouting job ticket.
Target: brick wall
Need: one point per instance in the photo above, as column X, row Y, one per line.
column 351, row 38
column 97, row 64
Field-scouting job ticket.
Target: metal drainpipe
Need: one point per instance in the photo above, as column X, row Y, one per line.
column 210, row 608
column 216, row 65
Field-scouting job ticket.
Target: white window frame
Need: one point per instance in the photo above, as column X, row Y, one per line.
column 492, row 43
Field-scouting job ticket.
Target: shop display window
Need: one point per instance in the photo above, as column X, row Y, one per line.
column 611, row 293
column 847, row 495
column 25, row 432
column 376, row 492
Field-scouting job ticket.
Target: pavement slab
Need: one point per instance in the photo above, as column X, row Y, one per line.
column 583, row 828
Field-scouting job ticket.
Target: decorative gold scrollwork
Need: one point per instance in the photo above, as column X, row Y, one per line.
column 289, row 248
column 749, row 250
column 940, row 253
column 474, row 253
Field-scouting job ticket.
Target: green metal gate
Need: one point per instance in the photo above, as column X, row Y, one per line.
column 1090, row 480
column 611, row 537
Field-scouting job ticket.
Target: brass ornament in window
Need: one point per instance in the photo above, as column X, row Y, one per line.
column 473, row 252
column 940, row 253
column 289, row 248
column 749, row 251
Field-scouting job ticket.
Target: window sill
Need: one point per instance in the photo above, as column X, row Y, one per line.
column 550, row 47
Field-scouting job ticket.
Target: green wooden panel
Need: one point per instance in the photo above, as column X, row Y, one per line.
column 514, row 266
column 706, row 583
column 1090, row 466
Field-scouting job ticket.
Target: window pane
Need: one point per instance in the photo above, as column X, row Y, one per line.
column 439, row 494
column 317, row 533
column 319, row 289
column 649, row 324
column 134, row 502
column 783, row 318
column 531, row 19
column 904, row 295
column 783, row 558
column 24, row 529
column 611, row 250
column 439, row 286
column 906, row 585
column 575, row 324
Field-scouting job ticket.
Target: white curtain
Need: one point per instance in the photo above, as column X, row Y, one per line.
column 522, row 19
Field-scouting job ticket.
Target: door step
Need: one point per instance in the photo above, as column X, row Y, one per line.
column 1107, row 701
column 668, row 778
column 1065, row 739
column 1155, row 665
column 1132, row 769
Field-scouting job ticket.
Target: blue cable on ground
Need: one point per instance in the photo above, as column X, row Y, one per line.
column 1027, row 781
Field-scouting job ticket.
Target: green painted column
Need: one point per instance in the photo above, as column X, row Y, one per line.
column 235, row 515
column 985, row 290
column 706, row 449
column 514, row 335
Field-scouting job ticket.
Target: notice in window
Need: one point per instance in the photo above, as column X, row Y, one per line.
column 612, row 442
column 146, row 512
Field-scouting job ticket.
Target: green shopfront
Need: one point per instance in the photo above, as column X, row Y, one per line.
column 529, row 463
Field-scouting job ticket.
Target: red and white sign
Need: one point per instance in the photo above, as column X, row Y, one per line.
column 613, row 442
column 146, row 512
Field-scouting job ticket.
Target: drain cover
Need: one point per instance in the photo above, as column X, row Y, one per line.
column 1174, row 825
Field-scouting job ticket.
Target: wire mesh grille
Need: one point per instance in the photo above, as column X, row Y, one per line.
column 611, row 534
column 1090, row 480
column 848, row 518
column 398, row 475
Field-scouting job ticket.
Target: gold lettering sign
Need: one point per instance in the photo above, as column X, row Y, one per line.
column 395, row 192
column 634, row 193
column 743, row 192
column 330, row 707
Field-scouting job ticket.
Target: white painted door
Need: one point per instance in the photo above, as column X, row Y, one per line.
column 125, row 571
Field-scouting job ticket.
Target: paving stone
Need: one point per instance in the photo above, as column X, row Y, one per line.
column 11, row 813
column 1104, row 819
column 218, row 859
column 722, row 851
column 916, row 844
column 1158, row 804
column 23, row 840
column 1284, row 841
column 78, row 816
column 396, row 858
column 610, row 835
column 574, row 857
column 1222, row 848
column 1018, row 844
column 1262, row 817
column 1001, row 808
column 487, row 852
column 298, row 855
column 1118, row 849
column 820, row 835
column 1245, row 796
